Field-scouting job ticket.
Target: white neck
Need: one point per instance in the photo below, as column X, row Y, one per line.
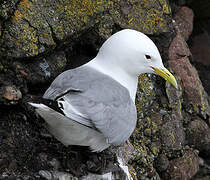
column 117, row 74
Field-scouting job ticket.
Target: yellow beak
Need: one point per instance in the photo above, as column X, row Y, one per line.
column 164, row 73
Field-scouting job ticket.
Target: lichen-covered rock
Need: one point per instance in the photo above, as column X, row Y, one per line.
column 145, row 93
column 175, row 99
column 162, row 162
column 39, row 26
column 184, row 167
column 172, row 134
column 7, row 8
column 198, row 135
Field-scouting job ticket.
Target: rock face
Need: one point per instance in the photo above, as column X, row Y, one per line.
column 198, row 135
column 200, row 49
column 184, row 167
column 184, row 20
column 40, row 39
column 179, row 55
column 39, row 26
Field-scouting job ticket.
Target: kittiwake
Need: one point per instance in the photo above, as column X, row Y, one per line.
column 96, row 101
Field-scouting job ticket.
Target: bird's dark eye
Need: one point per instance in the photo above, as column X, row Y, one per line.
column 148, row 57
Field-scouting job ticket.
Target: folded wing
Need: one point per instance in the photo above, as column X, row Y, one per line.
column 95, row 100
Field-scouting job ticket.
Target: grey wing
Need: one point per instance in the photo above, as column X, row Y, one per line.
column 103, row 103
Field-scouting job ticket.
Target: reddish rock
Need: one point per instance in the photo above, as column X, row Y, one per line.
column 179, row 63
column 190, row 79
column 178, row 48
column 184, row 20
column 184, row 167
column 198, row 135
column 201, row 48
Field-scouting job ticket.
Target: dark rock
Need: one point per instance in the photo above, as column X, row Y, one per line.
column 172, row 135
column 3, row 164
column 204, row 74
column 203, row 172
column 201, row 8
column 184, row 167
column 198, row 135
column 43, row 69
column 184, row 20
column 162, row 162
column 178, row 3
column 7, row 8
column 200, row 48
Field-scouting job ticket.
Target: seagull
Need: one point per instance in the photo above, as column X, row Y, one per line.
column 94, row 105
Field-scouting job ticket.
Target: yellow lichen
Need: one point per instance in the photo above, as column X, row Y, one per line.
column 173, row 139
column 17, row 16
column 67, row 17
column 25, row 4
column 165, row 7
column 155, row 150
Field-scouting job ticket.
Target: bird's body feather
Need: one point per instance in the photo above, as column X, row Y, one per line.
column 93, row 99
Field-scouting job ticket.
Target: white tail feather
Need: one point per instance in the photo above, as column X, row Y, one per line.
column 69, row 132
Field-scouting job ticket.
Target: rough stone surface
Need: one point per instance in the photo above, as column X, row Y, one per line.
column 184, row 167
column 198, row 135
column 39, row 26
column 16, row 78
column 172, row 134
column 175, row 100
column 204, row 73
column 184, row 20
column 178, row 48
column 162, row 162
column 179, row 63
column 188, row 74
column 7, row 8
column 200, row 48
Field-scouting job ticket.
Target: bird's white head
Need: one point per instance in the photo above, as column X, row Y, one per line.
column 135, row 53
